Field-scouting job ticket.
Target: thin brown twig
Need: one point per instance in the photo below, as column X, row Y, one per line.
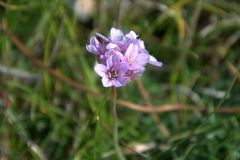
column 175, row 107
column 118, row 25
column 155, row 117
column 12, row 7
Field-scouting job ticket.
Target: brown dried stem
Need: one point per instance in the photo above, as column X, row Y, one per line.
column 155, row 117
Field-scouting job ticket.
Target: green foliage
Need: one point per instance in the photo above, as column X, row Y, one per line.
column 44, row 117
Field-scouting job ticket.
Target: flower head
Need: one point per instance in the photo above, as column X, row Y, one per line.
column 121, row 58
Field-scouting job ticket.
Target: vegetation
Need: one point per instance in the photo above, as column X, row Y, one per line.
column 54, row 106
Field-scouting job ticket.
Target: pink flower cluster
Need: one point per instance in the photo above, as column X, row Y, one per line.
column 121, row 58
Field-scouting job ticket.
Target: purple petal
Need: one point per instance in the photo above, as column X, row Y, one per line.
column 110, row 61
column 137, row 74
column 141, row 44
column 142, row 59
column 119, row 54
column 94, row 41
column 153, row 61
column 137, row 67
column 103, row 37
column 107, row 82
column 132, row 51
column 115, row 59
column 142, row 51
column 131, row 35
column 115, row 33
column 119, row 81
column 91, row 48
column 101, row 70
column 158, row 64
column 111, row 46
column 121, row 68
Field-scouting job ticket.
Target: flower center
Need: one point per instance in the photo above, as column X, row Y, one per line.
column 131, row 61
column 112, row 73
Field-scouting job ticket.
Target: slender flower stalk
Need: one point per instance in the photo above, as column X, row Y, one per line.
column 115, row 127
column 121, row 59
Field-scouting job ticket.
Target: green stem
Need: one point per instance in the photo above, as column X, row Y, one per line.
column 115, row 123
column 114, row 98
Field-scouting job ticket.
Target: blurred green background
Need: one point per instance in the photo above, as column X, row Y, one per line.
column 49, row 112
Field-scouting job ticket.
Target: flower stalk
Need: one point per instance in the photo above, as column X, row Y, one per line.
column 115, row 124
